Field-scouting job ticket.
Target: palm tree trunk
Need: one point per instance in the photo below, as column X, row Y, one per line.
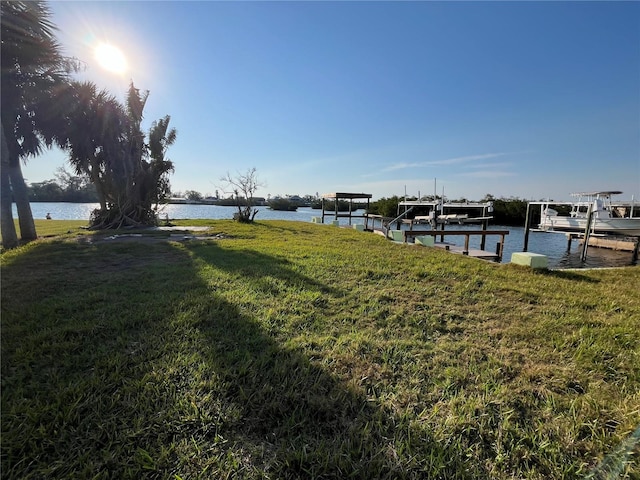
column 7, row 227
column 97, row 181
column 21, row 196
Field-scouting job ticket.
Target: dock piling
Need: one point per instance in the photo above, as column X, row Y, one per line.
column 483, row 238
column 587, row 232
column 525, row 246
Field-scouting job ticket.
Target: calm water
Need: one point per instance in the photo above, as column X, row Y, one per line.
column 554, row 245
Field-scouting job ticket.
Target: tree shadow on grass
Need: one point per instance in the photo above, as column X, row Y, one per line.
column 568, row 275
column 187, row 382
column 294, row 419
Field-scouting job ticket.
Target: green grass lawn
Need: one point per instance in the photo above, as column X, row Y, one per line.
column 51, row 228
column 295, row 350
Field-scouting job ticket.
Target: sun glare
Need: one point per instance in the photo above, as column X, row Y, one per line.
column 111, row 58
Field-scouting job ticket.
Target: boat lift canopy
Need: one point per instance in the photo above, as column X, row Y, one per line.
column 418, row 203
column 337, row 196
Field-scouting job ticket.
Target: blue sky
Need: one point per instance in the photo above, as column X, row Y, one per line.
column 526, row 99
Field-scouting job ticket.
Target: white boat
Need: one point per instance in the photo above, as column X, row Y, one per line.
column 607, row 217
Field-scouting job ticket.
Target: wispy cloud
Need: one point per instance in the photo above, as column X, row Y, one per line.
column 402, row 166
column 491, row 165
column 470, row 158
column 488, row 174
column 447, row 161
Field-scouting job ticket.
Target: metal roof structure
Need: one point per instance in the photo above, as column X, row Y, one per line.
column 346, row 196
column 336, row 197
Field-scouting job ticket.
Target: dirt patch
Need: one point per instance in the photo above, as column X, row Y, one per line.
column 150, row 237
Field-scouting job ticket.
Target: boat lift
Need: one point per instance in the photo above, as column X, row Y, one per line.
column 595, row 205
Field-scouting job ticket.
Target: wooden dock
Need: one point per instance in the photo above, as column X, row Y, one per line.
column 471, row 252
column 625, row 244
column 464, row 250
column 408, row 236
column 370, row 222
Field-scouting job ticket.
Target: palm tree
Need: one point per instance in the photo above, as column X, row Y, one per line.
column 8, row 229
column 32, row 69
column 145, row 163
column 161, row 137
column 105, row 141
column 91, row 130
column 137, row 173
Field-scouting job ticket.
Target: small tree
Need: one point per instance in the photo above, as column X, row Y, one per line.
column 246, row 185
column 387, row 207
column 193, row 195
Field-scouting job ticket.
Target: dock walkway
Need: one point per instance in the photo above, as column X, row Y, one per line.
column 471, row 252
column 465, row 250
column 408, row 236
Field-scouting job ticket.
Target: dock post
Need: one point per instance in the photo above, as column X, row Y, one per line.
column 525, row 247
column 635, row 250
column 483, row 238
column 569, row 237
column 466, row 245
column 587, row 231
column 501, row 251
column 368, row 209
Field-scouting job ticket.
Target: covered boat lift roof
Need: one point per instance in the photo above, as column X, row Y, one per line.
column 346, row 196
column 337, row 196
column 418, row 203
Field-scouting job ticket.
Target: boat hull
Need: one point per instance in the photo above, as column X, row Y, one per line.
column 613, row 226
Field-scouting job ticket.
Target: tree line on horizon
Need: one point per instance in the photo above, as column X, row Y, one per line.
column 67, row 187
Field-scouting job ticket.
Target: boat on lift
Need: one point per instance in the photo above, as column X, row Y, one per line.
column 607, row 217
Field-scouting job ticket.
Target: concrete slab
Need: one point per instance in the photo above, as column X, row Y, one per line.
column 529, row 259
column 177, row 229
column 396, row 235
column 426, row 240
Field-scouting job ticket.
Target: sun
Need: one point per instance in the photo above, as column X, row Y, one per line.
column 111, row 58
